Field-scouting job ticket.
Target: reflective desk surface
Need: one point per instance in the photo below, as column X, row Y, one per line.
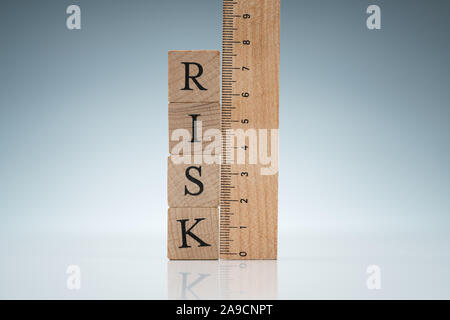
column 310, row 266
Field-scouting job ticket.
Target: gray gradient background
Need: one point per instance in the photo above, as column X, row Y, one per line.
column 364, row 158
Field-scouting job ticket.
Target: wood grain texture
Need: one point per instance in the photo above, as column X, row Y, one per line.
column 209, row 79
column 250, row 100
column 202, row 223
column 261, row 57
column 193, row 189
column 254, row 230
column 177, row 183
column 180, row 118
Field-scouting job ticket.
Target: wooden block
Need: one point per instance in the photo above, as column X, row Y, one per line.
column 197, row 118
column 193, row 233
column 254, row 230
column 192, row 185
column 194, row 76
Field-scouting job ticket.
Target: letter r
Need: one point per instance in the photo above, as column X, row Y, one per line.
column 188, row 77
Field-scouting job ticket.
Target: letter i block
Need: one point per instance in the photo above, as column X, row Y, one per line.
column 192, row 185
column 194, row 76
column 192, row 233
column 194, row 128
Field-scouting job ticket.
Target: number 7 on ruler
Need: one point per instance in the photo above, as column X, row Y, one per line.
column 250, row 109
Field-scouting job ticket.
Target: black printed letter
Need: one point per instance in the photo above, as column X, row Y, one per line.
column 194, row 127
column 192, row 179
column 185, row 232
column 187, row 76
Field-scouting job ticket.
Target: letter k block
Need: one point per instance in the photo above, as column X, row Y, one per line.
column 192, row 233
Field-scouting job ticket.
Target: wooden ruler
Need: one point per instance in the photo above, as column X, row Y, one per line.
column 250, row 97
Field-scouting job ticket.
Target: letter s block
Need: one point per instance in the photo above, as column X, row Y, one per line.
column 192, row 185
column 194, row 76
column 192, row 233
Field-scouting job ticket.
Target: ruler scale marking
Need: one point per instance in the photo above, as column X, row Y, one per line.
column 250, row 66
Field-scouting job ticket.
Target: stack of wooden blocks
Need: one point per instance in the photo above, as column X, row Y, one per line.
column 193, row 188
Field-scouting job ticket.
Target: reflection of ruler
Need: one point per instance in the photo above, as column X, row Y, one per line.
column 250, row 84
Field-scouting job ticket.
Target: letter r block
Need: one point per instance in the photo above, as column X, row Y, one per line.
column 192, row 185
column 194, row 76
column 192, row 233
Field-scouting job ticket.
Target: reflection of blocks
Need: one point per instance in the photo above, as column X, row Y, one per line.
column 192, row 185
column 242, row 280
column 192, row 233
column 194, row 76
column 188, row 116
column 193, row 280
